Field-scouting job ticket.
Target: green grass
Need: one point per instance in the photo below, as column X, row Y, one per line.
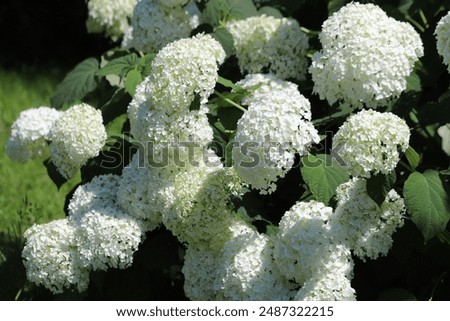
column 27, row 195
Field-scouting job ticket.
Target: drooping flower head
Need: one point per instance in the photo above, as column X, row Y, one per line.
column 442, row 34
column 79, row 134
column 110, row 17
column 369, row 142
column 30, row 132
column 365, row 57
column 51, row 257
column 268, row 44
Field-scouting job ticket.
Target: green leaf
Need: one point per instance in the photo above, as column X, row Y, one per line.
column 229, row 84
column 378, row 186
column 225, row 38
column 229, row 117
column 116, row 106
column 427, row 202
column 145, row 64
column 270, row 11
column 217, row 11
column 54, row 174
column 335, row 5
column 413, row 158
column 120, row 66
column 413, row 82
column 77, row 84
column 322, row 175
column 133, row 79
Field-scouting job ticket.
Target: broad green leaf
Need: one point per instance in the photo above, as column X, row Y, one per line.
column 427, row 202
column 77, row 83
column 270, row 11
column 225, row 38
column 322, row 175
column 145, row 64
column 54, row 174
column 335, row 5
column 133, row 79
column 378, row 186
column 218, row 11
column 413, row 82
column 229, row 84
column 413, row 158
column 120, row 66
column 116, row 106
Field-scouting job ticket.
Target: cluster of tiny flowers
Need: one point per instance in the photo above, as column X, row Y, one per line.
column 369, row 142
column 368, row 227
column 268, row 44
column 442, row 34
column 76, row 136
column 327, row 287
column 182, row 70
column 30, row 133
column 51, row 257
column 155, row 24
column 365, row 57
column 109, row 17
column 271, row 132
column 248, row 272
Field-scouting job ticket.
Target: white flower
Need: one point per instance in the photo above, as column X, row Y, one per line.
column 265, row 43
column 29, row 133
column 442, row 34
column 109, row 16
column 271, row 132
column 247, row 271
column 365, row 57
column 367, row 227
column 79, row 134
column 307, row 245
column 201, row 211
column 154, row 25
column 133, row 194
column 369, row 142
column 444, row 132
column 182, row 70
column 99, row 192
column 327, row 287
column 199, row 270
column 107, row 238
column 51, row 257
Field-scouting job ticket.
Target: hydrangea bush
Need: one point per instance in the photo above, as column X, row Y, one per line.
column 240, row 150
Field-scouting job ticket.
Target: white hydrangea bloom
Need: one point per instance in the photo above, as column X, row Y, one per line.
column 265, row 43
column 268, row 136
column 365, row 57
column 368, row 228
column 99, row 192
column 369, row 142
column 109, row 16
column 444, row 132
column 154, row 25
column 327, row 287
column 247, row 270
column 183, row 69
column 79, row 134
column 306, row 244
column 133, row 194
column 200, row 210
column 287, row 92
column 51, row 257
column 29, row 133
column 107, row 238
column 199, row 270
column 442, row 34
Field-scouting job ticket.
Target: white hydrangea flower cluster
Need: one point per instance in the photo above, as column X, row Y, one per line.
column 442, row 34
column 327, row 287
column 182, row 70
column 369, row 142
column 30, row 133
column 444, row 132
column 365, row 57
column 274, row 128
column 109, row 17
column 51, row 257
column 76, row 136
column 268, row 44
column 155, row 24
column 368, row 228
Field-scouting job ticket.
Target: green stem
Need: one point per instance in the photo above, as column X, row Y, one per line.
column 232, row 103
